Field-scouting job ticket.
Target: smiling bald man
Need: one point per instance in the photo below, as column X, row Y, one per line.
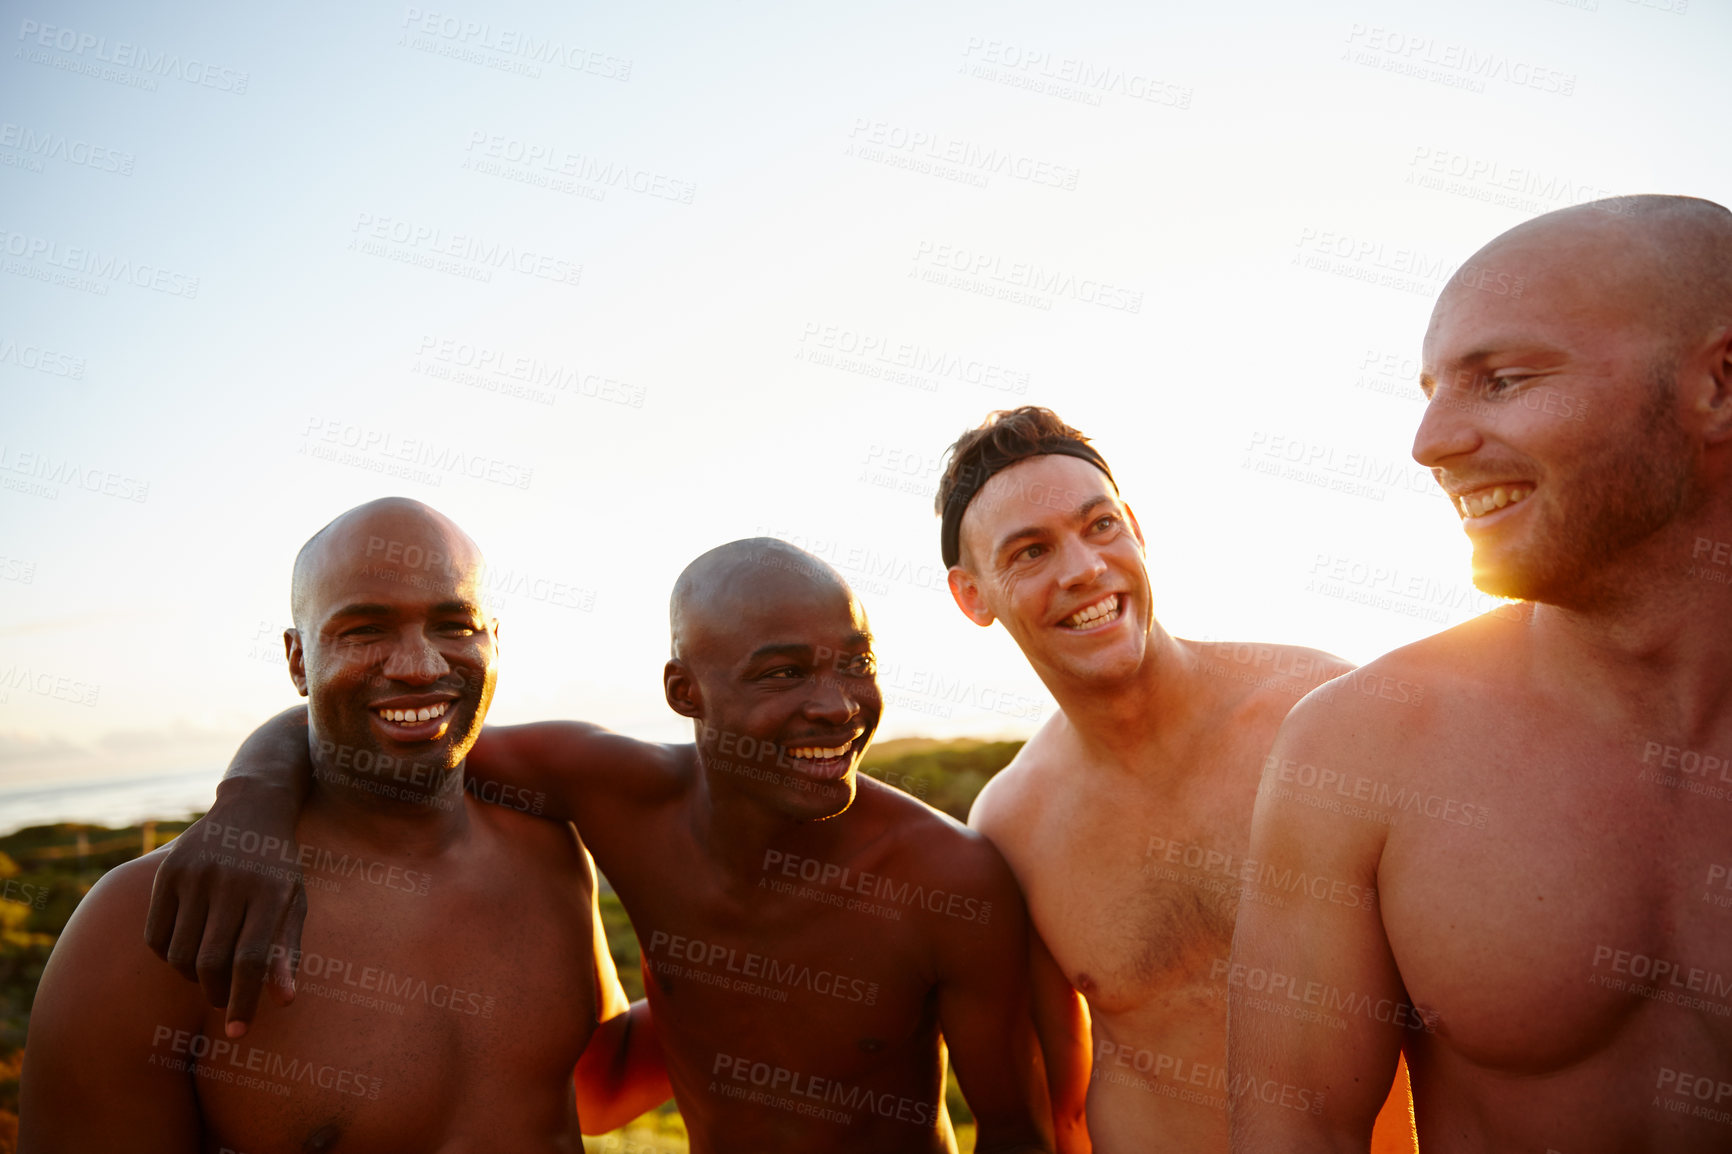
column 1546, row 828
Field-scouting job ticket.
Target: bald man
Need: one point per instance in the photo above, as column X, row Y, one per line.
column 454, row 969
column 813, row 942
column 1547, row 828
column 1126, row 818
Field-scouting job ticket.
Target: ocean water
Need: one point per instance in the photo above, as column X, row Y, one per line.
column 116, row 801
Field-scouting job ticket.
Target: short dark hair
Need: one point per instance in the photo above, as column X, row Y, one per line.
column 1006, row 436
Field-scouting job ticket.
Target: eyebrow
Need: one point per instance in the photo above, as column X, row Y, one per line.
column 1082, row 512
column 799, row 649
column 375, row 609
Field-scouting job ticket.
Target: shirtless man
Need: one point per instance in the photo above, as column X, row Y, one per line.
column 457, row 948
column 1547, row 827
column 807, row 934
column 1126, row 818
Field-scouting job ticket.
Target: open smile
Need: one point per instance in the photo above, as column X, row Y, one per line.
column 1490, row 499
column 1095, row 616
column 824, row 762
column 414, row 720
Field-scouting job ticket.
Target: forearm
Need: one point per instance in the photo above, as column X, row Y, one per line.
column 622, row 1073
column 274, row 756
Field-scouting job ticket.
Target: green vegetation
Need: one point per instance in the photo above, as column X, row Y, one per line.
column 45, row 871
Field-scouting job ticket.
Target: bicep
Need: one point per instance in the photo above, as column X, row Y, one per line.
column 108, row 1061
column 983, row 1008
column 551, row 768
column 1313, row 991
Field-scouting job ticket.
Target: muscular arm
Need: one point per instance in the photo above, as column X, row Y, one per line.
column 1061, row 1021
column 983, row 1007
column 621, row 1073
column 108, row 1033
column 1301, row 1085
column 228, row 903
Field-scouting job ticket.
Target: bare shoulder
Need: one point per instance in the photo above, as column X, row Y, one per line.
column 102, row 957
column 931, row 845
column 1269, row 674
column 1371, row 713
column 1013, row 795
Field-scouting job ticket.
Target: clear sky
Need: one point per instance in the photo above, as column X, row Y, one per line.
column 612, row 284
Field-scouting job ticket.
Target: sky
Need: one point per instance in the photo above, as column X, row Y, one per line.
column 613, row 284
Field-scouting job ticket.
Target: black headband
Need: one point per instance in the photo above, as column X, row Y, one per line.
column 994, row 461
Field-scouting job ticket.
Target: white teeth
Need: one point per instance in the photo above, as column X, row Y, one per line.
column 1094, row 614
column 410, row 716
column 1483, row 502
column 814, row 753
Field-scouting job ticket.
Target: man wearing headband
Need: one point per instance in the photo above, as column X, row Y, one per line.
column 1126, row 818
column 1546, row 824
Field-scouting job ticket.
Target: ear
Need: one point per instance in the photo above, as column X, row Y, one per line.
column 297, row 660
column 1713, row 399
column 966, row 592
column 681, row 688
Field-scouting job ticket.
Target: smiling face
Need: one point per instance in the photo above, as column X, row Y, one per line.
column 391, row 646
column 1050, row 550
column 773, row 659
column 1553, row 420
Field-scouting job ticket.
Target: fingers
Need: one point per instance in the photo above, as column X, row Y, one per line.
column 216, row 954
column 164, row 905
column 188, row 933
column 287, row 962
column 253, row 958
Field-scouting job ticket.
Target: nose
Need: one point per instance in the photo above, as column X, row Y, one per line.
column 831, row 702
column 1080, row 563
column 414, row 660
column 1449, row 427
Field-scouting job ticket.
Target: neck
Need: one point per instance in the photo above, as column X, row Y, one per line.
column 1661, row 644
column 1122, row 722
column 402, row 809
column 737, row 825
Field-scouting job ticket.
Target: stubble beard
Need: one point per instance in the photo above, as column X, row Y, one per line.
column 1609, row 507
